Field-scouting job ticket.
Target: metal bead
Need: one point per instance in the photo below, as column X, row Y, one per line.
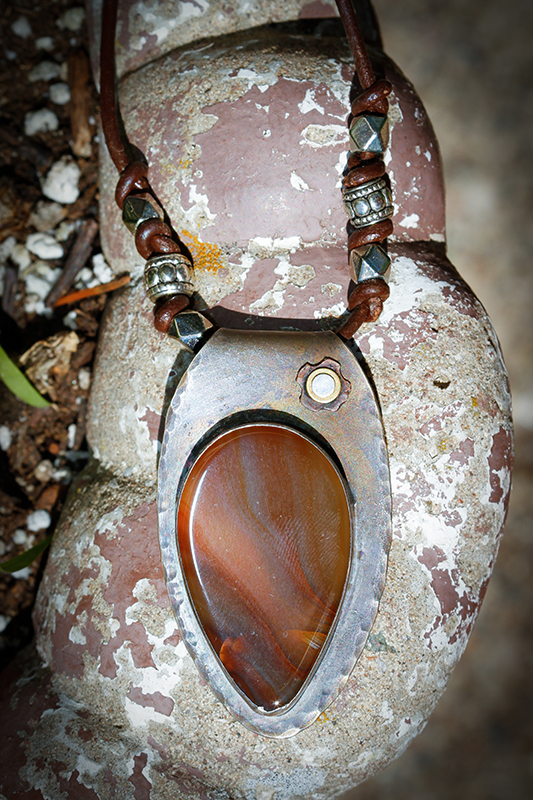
column 190, row 327
column 168, row 274
column 369, row 203
column 370, row 261
column 369, row 133
column 139, row 208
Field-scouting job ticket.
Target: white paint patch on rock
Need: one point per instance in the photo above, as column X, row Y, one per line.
column 300, row 782
column 61, row 183
column 299, row 184
column 410, row 221
column 324, row 135
column 265, row 247
column 336, row 310
column 161, row 26
column 309, row 103
column 108, row 522
column 263, row 80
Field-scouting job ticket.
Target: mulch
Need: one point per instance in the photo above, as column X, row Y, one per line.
column 45, row 447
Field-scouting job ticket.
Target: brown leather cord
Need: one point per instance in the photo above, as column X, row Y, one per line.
column 108, row 94
column 363, row 167
column 372, row 234
column 363, row 171
column 154, row 236
column 365, row 73
column 132, row 177
column 165, row 313
column 373, row 99
column 366, row 300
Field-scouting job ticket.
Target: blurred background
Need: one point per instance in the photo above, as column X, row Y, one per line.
column 472, row 64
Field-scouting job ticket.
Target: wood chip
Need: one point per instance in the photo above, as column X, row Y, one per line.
column 77, row 258
column 80, row 103
column 104, row 288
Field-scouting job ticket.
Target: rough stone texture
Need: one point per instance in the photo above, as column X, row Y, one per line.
column 146, row 31
column 105, row 629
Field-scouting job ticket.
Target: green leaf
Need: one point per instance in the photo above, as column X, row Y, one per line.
column 15, row 380
column 26, row 558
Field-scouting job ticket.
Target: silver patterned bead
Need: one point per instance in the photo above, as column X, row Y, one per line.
column 370, row 261
column 369, row 203
column 369, row 133
column 139, row 208
column 168, row 274
column 190, row 327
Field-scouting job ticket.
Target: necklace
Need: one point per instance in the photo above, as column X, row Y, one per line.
column 274, row 496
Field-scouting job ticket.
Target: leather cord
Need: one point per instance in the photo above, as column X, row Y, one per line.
column 366, row 300
column 154, row 237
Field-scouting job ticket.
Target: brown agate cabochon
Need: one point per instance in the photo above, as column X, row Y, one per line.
column 264, row 534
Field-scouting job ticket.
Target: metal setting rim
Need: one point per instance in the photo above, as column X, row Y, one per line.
column 265, row 383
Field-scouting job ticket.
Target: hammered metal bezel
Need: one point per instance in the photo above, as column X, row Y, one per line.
column 263, row 383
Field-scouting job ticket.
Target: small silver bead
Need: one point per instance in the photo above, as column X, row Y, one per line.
column 190, row 327
column 168, row 274
column 370, row 261
column 369, row 133
column 139, row 208
column 369, row 203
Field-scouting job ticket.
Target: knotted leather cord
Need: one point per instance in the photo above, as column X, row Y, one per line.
column 366, row 299
column 154, row 237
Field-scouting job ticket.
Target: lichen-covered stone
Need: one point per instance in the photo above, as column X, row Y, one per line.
column 120, row 703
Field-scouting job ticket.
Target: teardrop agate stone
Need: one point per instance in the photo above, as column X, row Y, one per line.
column 264, row 536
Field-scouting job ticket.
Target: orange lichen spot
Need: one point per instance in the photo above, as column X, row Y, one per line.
column 206, row 256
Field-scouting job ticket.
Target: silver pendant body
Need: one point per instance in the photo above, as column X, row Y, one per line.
column 239, row 378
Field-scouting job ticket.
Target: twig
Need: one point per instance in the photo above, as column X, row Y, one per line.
column 10, row 290
column 77, row 258
column 80, row 106
column 103, row 288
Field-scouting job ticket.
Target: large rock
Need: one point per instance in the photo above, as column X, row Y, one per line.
column 246, row 139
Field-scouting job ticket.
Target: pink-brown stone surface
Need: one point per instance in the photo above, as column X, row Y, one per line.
column 118, row 709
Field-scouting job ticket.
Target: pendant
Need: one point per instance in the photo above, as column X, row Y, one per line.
column 274, row 520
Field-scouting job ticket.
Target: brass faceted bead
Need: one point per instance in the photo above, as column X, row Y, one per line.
column 140, row 208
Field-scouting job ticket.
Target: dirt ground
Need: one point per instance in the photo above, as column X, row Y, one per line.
column 472, row 64
column 44, row 60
